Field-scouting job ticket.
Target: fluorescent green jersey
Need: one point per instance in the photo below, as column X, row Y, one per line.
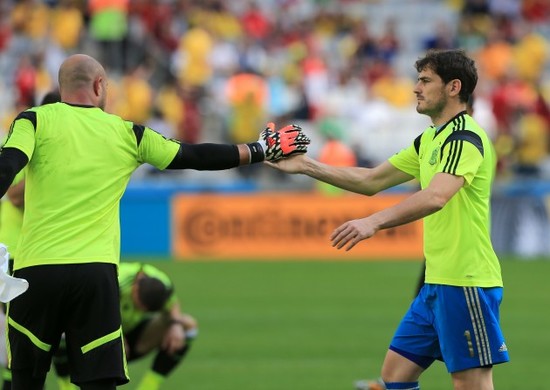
column 11, row 219
column 127, row 273
column 80, row 161
column 457, row 243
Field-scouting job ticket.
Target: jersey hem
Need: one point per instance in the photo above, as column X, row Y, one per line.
column 32, row 263
column 464, row 283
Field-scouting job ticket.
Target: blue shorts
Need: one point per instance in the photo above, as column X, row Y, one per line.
column 458, row 325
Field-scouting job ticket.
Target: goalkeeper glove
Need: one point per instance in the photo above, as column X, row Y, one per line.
column 284, row 142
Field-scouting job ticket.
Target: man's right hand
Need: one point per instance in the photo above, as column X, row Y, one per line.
column 293, row 164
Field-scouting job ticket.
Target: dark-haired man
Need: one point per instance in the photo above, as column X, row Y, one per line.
column 455, row 317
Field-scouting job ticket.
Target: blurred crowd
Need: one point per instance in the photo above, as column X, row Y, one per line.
column 217, row 71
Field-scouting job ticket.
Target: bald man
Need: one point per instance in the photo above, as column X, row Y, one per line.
column 79, row 160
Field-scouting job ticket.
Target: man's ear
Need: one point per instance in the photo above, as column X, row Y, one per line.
column 454, row 87
column 98, row 84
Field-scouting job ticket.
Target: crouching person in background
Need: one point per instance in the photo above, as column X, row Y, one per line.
column 152, row 322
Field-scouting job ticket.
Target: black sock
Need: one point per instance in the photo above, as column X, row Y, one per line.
column 164, row 363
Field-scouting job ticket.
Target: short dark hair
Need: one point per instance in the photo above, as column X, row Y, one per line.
column 450, row 65
column 51, row 97
column 152, row 293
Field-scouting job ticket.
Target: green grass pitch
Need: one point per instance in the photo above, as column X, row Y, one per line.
column 308, row 325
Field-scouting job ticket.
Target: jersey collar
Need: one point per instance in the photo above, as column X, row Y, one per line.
column 79, row 105
column 441, row 128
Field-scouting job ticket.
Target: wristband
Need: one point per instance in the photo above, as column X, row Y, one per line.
column 256, row 152
column 191, row 334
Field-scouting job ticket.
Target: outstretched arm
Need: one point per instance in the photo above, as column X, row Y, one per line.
column 366, row 181
column 209, row 156
column 272, row 145
column 419, row 205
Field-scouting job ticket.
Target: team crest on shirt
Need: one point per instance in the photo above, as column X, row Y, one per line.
column 433, row 158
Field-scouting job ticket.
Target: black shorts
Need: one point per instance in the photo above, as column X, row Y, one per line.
column 80, row 300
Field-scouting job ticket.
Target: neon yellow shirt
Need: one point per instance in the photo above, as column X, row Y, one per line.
column 11, row 219
column 80, row 161
column 457, row 243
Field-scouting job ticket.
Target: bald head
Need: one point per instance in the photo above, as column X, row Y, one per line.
column 82, row 80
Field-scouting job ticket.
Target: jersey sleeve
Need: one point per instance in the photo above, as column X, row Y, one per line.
column 462, row 155
column 157, row 150
column 407, row 161
column 19, row 177
column 21, row 135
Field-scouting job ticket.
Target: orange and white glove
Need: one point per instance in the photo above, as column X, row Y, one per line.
column 284, row 142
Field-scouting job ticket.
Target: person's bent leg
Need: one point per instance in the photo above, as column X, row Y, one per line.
column 414, row 346
column 163, row 364
column 399, row 372
column 473, row 379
